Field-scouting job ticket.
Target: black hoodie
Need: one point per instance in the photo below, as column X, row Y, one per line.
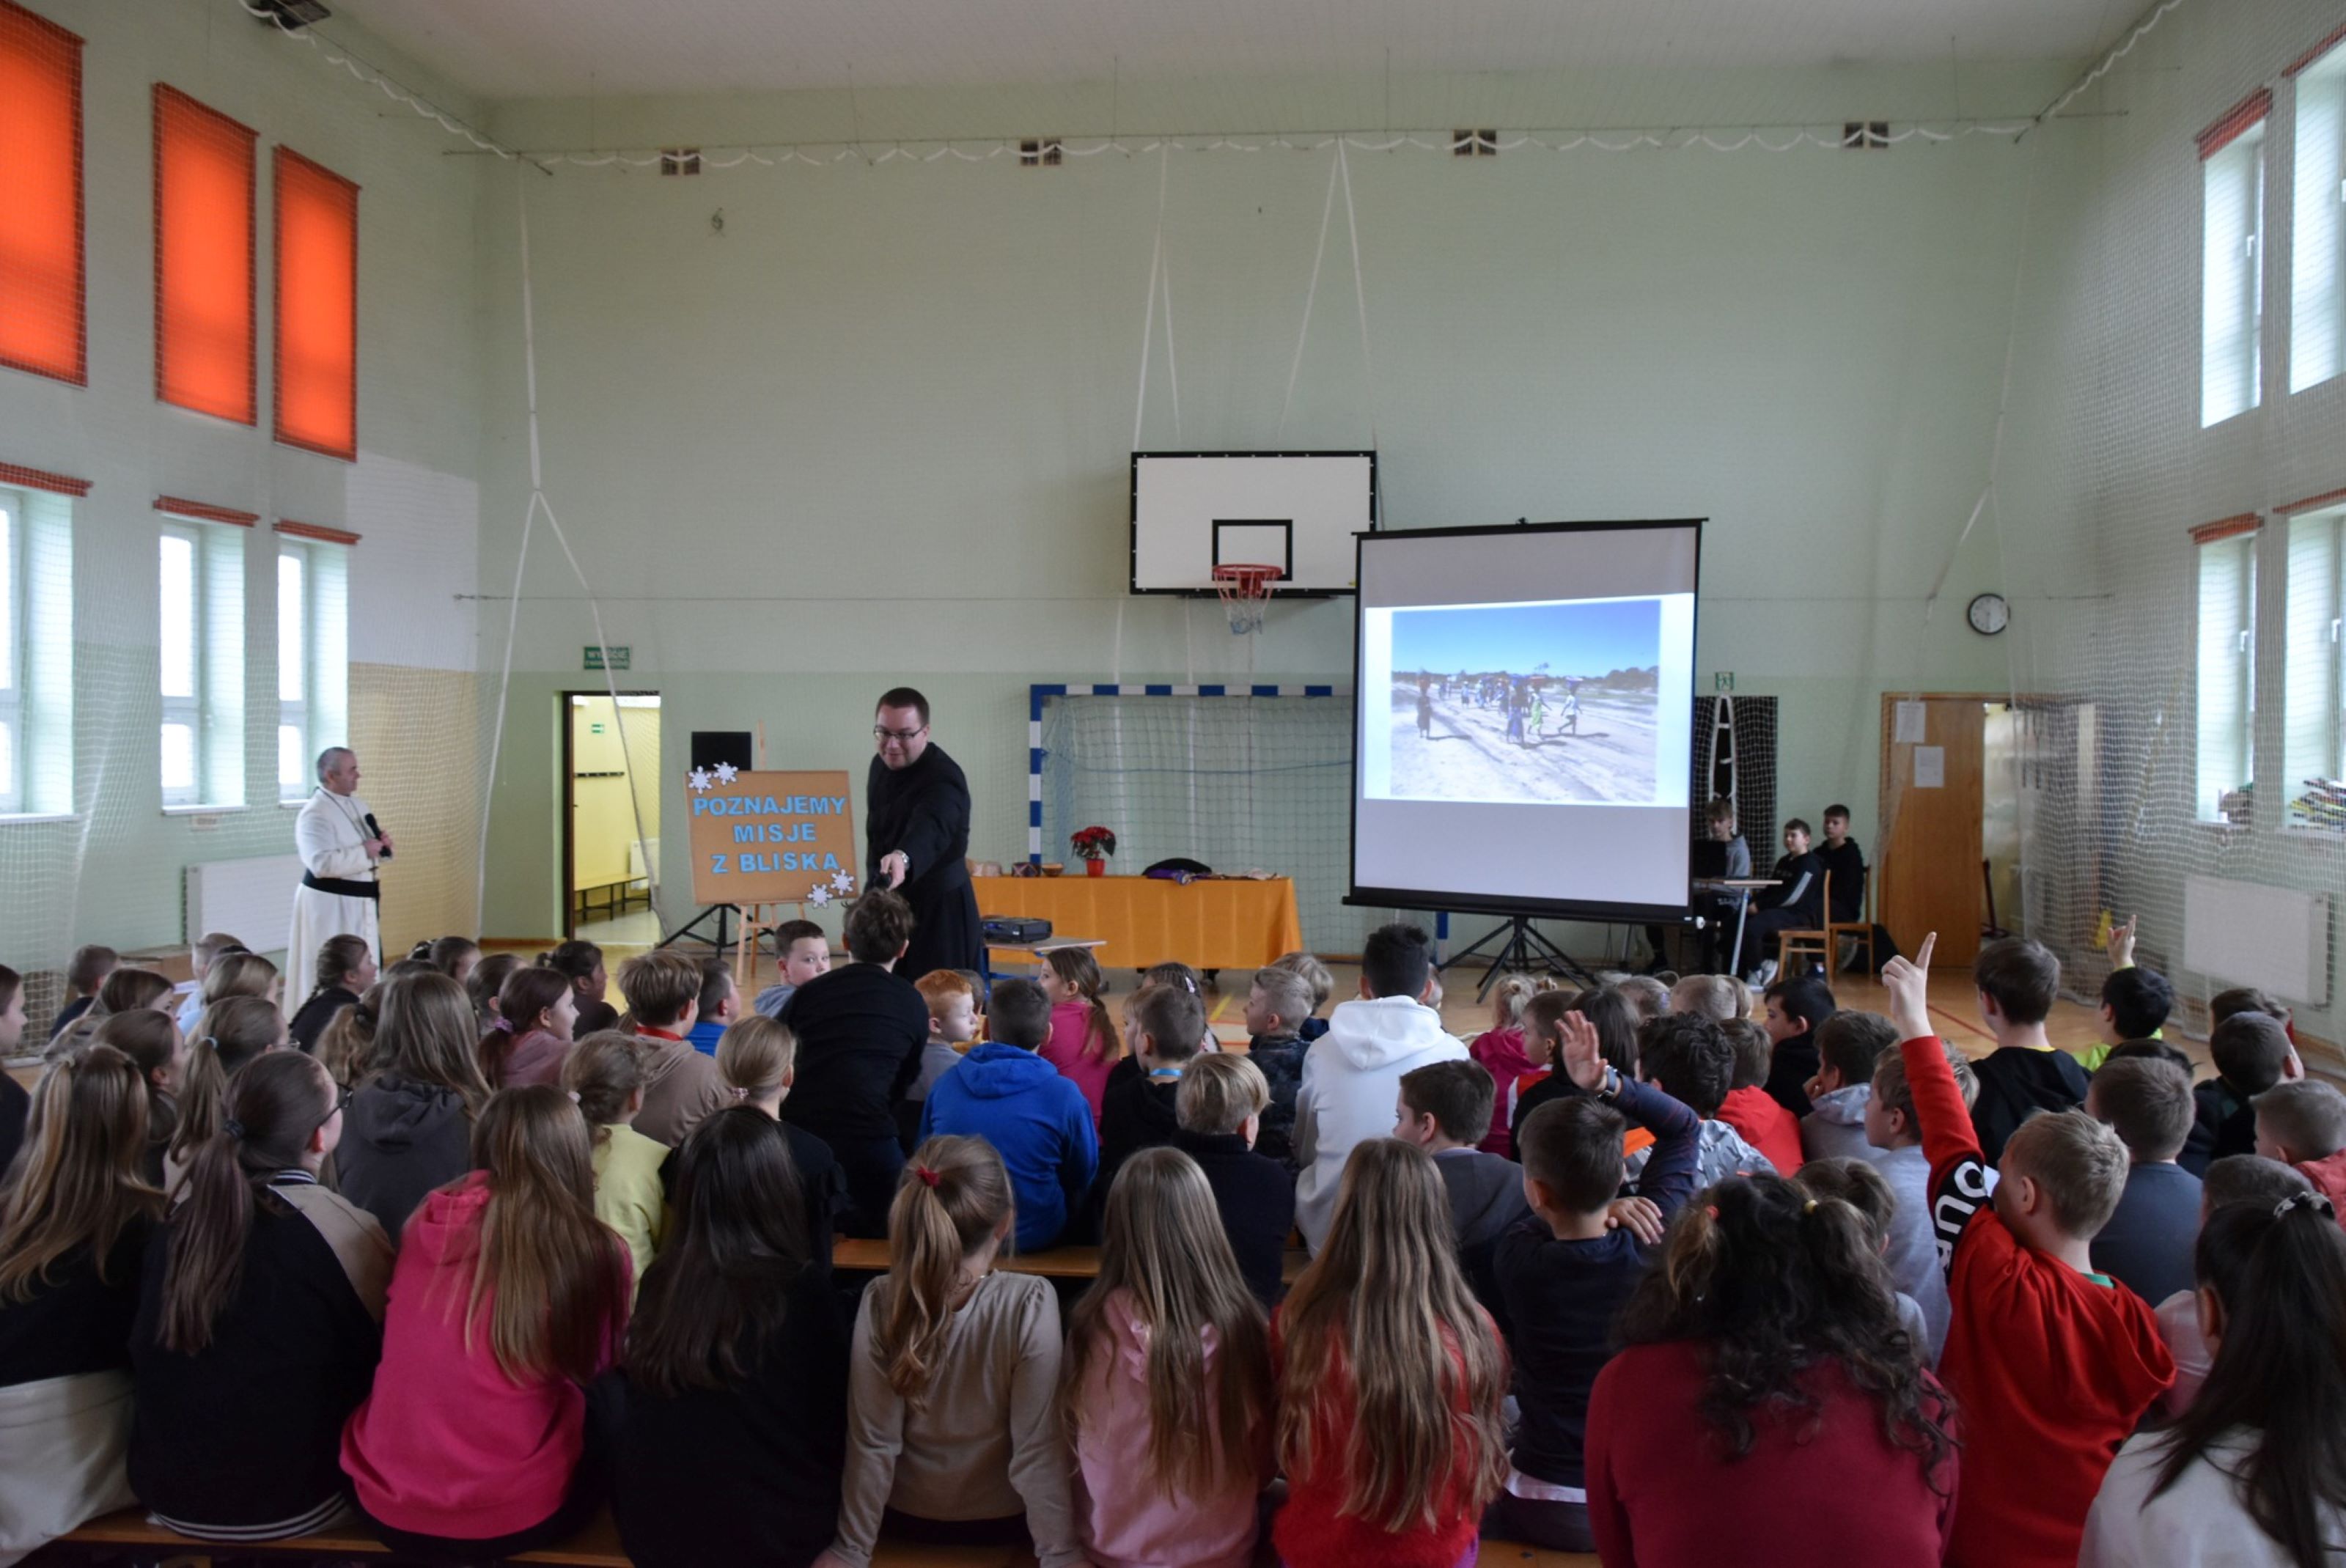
column 400, row 1140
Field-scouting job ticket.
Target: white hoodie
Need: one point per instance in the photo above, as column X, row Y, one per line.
column 1351, row 1080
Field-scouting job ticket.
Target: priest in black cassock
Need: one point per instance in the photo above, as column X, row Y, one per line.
column 916, row 836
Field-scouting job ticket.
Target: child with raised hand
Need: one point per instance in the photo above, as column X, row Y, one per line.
column 2303, row 1124
column 1501, row 1051
column 2252, row 1052
column 1084, row 1046
column 230, row 1034
column 1617, row 1023
column 1220, row 1106
column 953, row 1428
column 1768, row 1409
column 1686, row 1056
column 1167, row 1394
column 1749, row 1108
column 508, row 1297
column 259, row 1318
column 74, row 1219
column 537, row 1009
column 1390, row 1380
column 757, row 1059
column 604, row 1076
column 736, row 1424
column 1564, row 1272
column 2255, row 1470
column 2052, row 1363
column 1279, row 1003
column 2135, row 1001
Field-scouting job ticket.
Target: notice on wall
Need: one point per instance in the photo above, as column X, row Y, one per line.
column 1929, row 767
column 1907, row 724
column 771, row 837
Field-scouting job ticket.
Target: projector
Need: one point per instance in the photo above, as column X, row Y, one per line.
column 291, row 15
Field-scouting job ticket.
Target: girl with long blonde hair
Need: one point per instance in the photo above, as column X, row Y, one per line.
column 1390, row 1380
column 230, row 1034
column 1167, row 1396
column 509, row 1296
column 757, row 1061
column 1084, row 1044
column 74, row 1222
column 952, row 1429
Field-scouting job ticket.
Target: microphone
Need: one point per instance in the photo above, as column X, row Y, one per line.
column 374, row 831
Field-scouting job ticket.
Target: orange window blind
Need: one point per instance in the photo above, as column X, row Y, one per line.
column 203, row 258
column 317, row 308
column 43, row 327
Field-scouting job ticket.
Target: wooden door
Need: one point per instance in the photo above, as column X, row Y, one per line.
column 1929, row 859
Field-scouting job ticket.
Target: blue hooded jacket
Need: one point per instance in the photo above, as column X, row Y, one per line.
column 1038, row 1121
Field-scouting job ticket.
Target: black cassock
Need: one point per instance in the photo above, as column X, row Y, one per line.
column 923, row 808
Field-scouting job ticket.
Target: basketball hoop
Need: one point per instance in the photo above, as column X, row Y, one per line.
column 1245, row 588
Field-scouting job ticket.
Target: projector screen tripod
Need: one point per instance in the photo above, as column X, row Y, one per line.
column 1522, row 948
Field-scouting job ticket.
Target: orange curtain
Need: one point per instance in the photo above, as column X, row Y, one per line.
column 203, row 258
column 317, row 308
column 43, row 327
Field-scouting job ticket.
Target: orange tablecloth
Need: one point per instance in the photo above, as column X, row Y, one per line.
column 1147, row 919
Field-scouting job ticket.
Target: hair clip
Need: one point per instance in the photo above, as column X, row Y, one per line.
column 572, row 1094
column 740, row 1093
column 1810, row 1206
column 502, row 1026
column 2315, row 1201
column 926, row 1174
column 233, row 1128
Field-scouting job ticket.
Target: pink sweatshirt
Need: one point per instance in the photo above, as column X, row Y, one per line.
column 1123, row 1520
column 447, row 1444
column 1067, row 1051
column 1501, row 1051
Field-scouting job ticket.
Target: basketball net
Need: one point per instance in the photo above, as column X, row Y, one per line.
column 1245, row 589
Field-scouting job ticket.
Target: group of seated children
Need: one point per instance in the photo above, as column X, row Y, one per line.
column 1633, row 1273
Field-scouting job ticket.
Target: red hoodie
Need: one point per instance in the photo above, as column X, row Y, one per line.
column 2050, row 1368
column 1765, row 1125
column 447, row 1444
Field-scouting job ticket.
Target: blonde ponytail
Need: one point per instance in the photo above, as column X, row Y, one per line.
column 952, row 1195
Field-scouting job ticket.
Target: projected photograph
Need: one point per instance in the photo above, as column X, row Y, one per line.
column 1542, row 702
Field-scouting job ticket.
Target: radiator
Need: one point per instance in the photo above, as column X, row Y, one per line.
column 2243, row 933
column 252, row 900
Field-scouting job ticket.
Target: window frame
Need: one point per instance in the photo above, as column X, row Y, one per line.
column 322, row 710
column 2234, row 169
column 218, row 611
column 2318, row 218
column 293, row 712
column 2315, row 652
column 184, row 708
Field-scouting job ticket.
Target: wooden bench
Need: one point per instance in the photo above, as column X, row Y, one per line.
column 857, row 1254
column 597, row 1546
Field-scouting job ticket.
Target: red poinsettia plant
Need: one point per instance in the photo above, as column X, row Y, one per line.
column 1093, row 843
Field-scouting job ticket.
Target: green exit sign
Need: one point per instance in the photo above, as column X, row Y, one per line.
column 619, row 656
column 1720, row 680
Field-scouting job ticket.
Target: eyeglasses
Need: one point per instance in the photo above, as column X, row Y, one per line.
column 882, row 732
column 342, row 1103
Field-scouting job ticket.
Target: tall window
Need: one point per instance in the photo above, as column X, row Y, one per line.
column 200, row 624
column 42, row 316
column 2317, row 272
column 2228, row 670
column 203, row 258
column 313, row 654
column 35, row 652
column 2313, row 748
column 2231, row 282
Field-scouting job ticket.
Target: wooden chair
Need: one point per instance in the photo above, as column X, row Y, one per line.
column 1816, row 944
column 1858, row 932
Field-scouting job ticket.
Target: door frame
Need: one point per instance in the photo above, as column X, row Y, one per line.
column 566, row 779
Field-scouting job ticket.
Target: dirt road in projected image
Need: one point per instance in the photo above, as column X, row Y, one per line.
column 1468, row 757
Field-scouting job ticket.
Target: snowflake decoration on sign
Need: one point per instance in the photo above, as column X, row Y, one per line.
column 727, row 773
column 699, row 780
column 820, row 896
column 840, row 882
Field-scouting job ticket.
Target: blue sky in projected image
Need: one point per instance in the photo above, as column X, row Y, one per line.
column 1583, row 637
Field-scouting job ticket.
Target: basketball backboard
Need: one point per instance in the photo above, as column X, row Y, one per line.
column 1298, row 511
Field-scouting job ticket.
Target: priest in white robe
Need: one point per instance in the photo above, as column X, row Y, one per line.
column 339, row 894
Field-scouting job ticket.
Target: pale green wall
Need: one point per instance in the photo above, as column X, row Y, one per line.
column 113, row 873
column 877, row 430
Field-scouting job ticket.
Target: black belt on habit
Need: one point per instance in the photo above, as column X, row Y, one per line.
column 340, row 888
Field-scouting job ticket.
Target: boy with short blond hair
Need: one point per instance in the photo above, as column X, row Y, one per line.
column 1279, row 1004
column 1314, row 974
column 1220, row 1105
column 2302, row 1124
column 2052, row 1363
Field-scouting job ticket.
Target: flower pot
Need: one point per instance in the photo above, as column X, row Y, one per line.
column 1094, row 868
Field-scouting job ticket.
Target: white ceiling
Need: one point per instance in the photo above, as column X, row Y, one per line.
column 544, row 49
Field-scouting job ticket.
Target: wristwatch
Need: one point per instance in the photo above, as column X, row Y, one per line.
column 1611, row 1087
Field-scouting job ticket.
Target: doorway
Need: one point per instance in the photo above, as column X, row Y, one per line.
column 610, row 816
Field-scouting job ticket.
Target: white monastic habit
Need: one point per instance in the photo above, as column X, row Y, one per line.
column 330, row 835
